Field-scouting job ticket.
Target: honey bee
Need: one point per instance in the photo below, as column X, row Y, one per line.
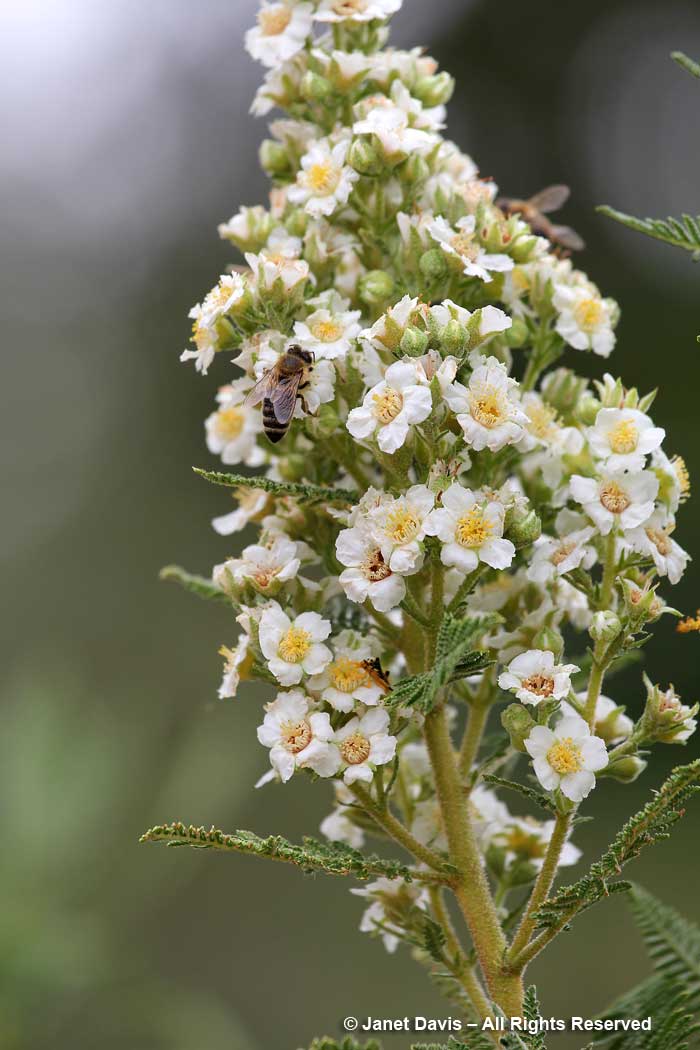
column 534, row 212
column 279, row 389
column 376, row 673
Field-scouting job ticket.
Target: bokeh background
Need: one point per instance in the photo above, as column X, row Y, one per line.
column 126, row 139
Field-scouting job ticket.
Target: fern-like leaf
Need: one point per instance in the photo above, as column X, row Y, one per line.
column 325, row 1042
column 680, row 233
column 672, row 941
column 651, row 824
column 686, row 63
column 333, row 858
column 672, row 1024
column 538, row 797
column 198, row 585
column 304, row 492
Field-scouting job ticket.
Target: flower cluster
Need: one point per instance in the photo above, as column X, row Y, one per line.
column 430, row 466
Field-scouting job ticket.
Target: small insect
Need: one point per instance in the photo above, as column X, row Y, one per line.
column 279, row 389
column 534, row 211
column 375, row 671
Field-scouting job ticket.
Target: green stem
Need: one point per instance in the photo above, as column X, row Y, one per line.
column 476, row 724
column 471, row 886
column 466, row 587
column 393, row 827
column 543, row 883
column 595, row 682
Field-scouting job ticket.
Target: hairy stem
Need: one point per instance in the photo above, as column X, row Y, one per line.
column 595, row 682
column 393, row 827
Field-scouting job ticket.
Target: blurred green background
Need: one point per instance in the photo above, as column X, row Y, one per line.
column 128, row 141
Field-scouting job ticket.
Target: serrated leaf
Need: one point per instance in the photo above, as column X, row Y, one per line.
column 673, row 942
column 686, row 63
column 198, row 585
column 432, row 938
column 325, row 1042
column 673, row 1026
column 538, row 797
column 333, row 858
column 679, row 233
column 302, row 491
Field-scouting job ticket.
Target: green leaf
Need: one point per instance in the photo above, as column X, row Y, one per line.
column 302, row 491
column 672, row 941
column 474, row 1041
column 538, row 797
column 324, row 1042
column 454, row 658
column 686, row 63
column 432, row 938
column 651, row 824
column 673, row 1026
column 680, row 233
column 333, row 858
column 198, row 585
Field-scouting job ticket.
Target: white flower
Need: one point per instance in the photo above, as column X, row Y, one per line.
column 294, row 647
column 269, row 269
column 623, row 437
column 337, row 827
column 328, row 333
column 387, row 330
column 555, row 557
column 585, row 321
column 399, row 123
column 653, row 538
column 251, row 503
column 487, row 410
column 611, row 723
column 391, row 407
column 567, row 757
column 471, row 530
column 367, row 574
column 235, row 661
column 489, row 815
column 545, row 430
column 399, row 527
column 525, row 839
column 356, row 10
column 617, row 498
column 232, row 430
column 426, row 825
column 298, row 737
column 281, row 31
column 325, row 181
column 204, row 339
column 491, row 319
column 364, row 744
column 347, row 681
column 533, row 676
column 394, row 896
column 460, row 243
column 265, row 566
column 676, row 721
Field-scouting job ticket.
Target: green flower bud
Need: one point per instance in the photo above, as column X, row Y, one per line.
column 587, row 410
column 605, row 626
column 565, row 391
column 548, row 638
column 453, row 338
column 324, row 423
column 435, row 90
column 375, row 287
column 433, row 264
column 363, row 157
column 522, row 248
column 274, row 157
column 517, row 334
column 297, row 223
column 518, row 724
column 666, row 720
column 292, row 467
column 414, row 170
column 625, row 769
column 314, row 87
column 414, row 342
column 522, row 524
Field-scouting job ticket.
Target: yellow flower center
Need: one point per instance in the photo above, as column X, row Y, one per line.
column 387, row 405
column 229, row 422
column 473, row 529
column 274, row 20
column 326, row 331
column 539, row 684
column 660, row 539
column 294, row 645
column 681, row 472
column 402, row 525
column 347, row 675
column 322, row 178
column 521, row 280
column 614, row 498
column 623, row 437
column 588, row 314
column 295, row 736
column 543, row 421
column 562, row 552
column 355, row 749
column 349, row 7
column 488, row 406
column 524, row 843
column 201, row 336
column 565, row 757
column 374, row 567
column 463, row 244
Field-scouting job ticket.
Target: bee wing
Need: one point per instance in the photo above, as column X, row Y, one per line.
column 568, row 238
column 284, row 397
column 260, row 391
column 550, row 199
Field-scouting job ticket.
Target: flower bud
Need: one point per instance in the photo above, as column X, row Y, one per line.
column 522, row 524
column 517, row 334
column 587, row 410
column 375, row 287
column 434, row 90
column 433, row 264
column 518, row 725
column 414, row 342
column 548, row 638
column 414, row 170
column 523, row 247
column 324, row 423
column 625, row 769
column 605, row 626
column 315, row 88
column 274, row 157
column 297, row 223
column 565, row 391
column 292, row 467
column 453, row 337
column 666, row 719
column 363, row 157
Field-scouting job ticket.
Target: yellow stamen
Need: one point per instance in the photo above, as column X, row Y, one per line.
column 543, row 421
column 488, row 406
column 402, row 525
column 387, row 405
column 473, row 529
column 689, row 623
column 229, row 422
column 347, row 675
column 326, row 331
column 681, row 472
column 539, row 684
column 295, row 736
column 623, row 437
column 464, row 246
column 274, row 20
column 355, row 749
column 562, row 552
column 588, row 314
column 660, row 539
column 294, row 645
column 614, row 498
column 322, row 178
column 565, row 757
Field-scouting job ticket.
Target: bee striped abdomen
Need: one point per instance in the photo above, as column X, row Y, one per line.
column 273, row 428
